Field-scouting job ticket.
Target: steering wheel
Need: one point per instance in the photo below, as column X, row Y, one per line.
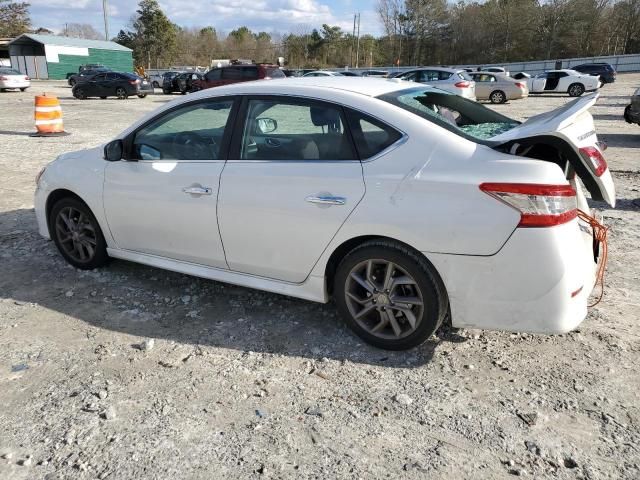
column 191, row 146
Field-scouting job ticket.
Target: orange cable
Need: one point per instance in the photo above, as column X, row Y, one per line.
column 600, row 234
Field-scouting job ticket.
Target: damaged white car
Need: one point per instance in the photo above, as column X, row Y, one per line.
column 404, row 204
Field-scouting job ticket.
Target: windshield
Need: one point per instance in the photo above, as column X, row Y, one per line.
column 463, row 117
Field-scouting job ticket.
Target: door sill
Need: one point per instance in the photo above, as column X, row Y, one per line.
column 313, row 288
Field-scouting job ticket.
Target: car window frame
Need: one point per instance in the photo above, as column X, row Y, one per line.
column 350, row 119
column 235, row 146
column 226, row 136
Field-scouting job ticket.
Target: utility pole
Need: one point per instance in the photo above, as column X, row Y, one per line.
column 358, row 41
column 353, row 39
column 105, row 12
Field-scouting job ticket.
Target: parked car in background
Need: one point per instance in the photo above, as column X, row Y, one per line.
column 190, row 83
column 157, row 78
column 350, row 73
column 112, row 84
column 454, row 80
column 563, row 81
column 85, row 74
column 411, row 203
column 500, row 70
column 11, row 78
column 520, row 76
column 375, row 73
column 226, row 75
column 632, row 111
column 498, row 88
column 323, row 73
column 176, row 83
column 604, row 71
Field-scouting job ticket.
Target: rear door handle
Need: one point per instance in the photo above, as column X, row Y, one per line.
column 326, row 200
column 197, row 190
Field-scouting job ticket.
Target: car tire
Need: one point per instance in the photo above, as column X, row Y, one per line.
column 372, row 277
column 24, row 89
column 103, row 98
column 166, row 92
column 575, row 89
column 121, row 93
column 156, row 85
column 80, row 94
column 77, row 234
column 142, row 95
column 627, row 114
column 498, row 96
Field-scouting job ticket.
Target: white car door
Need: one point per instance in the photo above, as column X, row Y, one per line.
column 537, row 83
column 291, row 181
column 162, row 201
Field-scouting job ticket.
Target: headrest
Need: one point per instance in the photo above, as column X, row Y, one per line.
column 324, row 116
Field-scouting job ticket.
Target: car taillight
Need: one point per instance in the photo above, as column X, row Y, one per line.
column 463, row 84
column 27, row 78
column 596, row 160
column 539, row 205
column 520, row 85
column 3, row 78
column 134, row 82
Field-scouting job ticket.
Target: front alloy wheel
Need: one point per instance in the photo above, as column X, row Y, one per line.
column 576, row 89
column 77, row 234
column 389, row 295
column 498, row 97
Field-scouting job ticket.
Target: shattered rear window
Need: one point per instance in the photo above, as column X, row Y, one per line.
column 459, row 115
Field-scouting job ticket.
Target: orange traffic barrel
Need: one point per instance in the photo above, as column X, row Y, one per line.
column 48, row 116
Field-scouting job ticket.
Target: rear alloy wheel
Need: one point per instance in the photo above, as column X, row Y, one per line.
column 121, row 93
column 77, row 234
column 575, row 89
column 389, row 295
column 498, row 97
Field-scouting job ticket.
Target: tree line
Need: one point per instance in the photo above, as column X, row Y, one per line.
column 416, row 32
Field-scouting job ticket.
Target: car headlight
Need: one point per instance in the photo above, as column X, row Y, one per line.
column 39, row 175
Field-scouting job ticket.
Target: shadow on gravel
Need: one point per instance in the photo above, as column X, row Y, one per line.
column 621, row 139
column 146, row 302
column 608, row 116
column 625, row 204
column 10, row 132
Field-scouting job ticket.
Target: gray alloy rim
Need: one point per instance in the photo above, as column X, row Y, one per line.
column 497, row 97
column 384, row 299
column 120, row 93
column 76, row 235
column 576, row 90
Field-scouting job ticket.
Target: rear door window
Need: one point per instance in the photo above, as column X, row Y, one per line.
column 231, row 73
column 274, row 73
column 371, row 136
column 249, row 73
column 215, row 74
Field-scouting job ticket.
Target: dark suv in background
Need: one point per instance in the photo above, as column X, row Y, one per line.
column 605, row 71
column 237, row 73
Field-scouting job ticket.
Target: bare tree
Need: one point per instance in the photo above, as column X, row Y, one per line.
column 81, row 30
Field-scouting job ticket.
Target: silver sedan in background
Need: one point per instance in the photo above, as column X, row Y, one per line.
column 454, row 80
column 498, row 88
column 11, row 78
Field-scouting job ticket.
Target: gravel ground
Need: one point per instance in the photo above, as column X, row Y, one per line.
column 134, row 372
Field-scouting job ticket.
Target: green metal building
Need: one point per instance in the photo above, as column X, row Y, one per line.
column 53, row 57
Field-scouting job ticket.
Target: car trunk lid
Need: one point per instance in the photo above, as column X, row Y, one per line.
column 573, row 124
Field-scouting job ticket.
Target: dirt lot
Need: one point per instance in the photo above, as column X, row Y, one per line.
column 245, row 384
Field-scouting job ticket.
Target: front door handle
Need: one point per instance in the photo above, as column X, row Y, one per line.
column 198, row 190
column 326, row 200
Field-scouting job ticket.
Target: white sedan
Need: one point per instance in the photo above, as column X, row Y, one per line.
column 13, row 79
column 563, row 81
column 400, row 201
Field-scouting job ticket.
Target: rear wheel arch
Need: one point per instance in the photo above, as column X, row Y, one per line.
column 351, row 244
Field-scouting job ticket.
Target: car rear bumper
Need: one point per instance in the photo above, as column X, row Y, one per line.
column 15, row 84
column 538, row 282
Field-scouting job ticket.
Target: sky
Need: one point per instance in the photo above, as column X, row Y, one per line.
column 284, row 16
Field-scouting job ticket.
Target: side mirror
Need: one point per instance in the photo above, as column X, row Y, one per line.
column 113, row 151
column 267, row 125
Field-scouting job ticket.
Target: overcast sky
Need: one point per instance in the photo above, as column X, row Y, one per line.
column 224, row 15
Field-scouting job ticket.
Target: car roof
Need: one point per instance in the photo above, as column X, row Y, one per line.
column 367, row 86
column 443, row 69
